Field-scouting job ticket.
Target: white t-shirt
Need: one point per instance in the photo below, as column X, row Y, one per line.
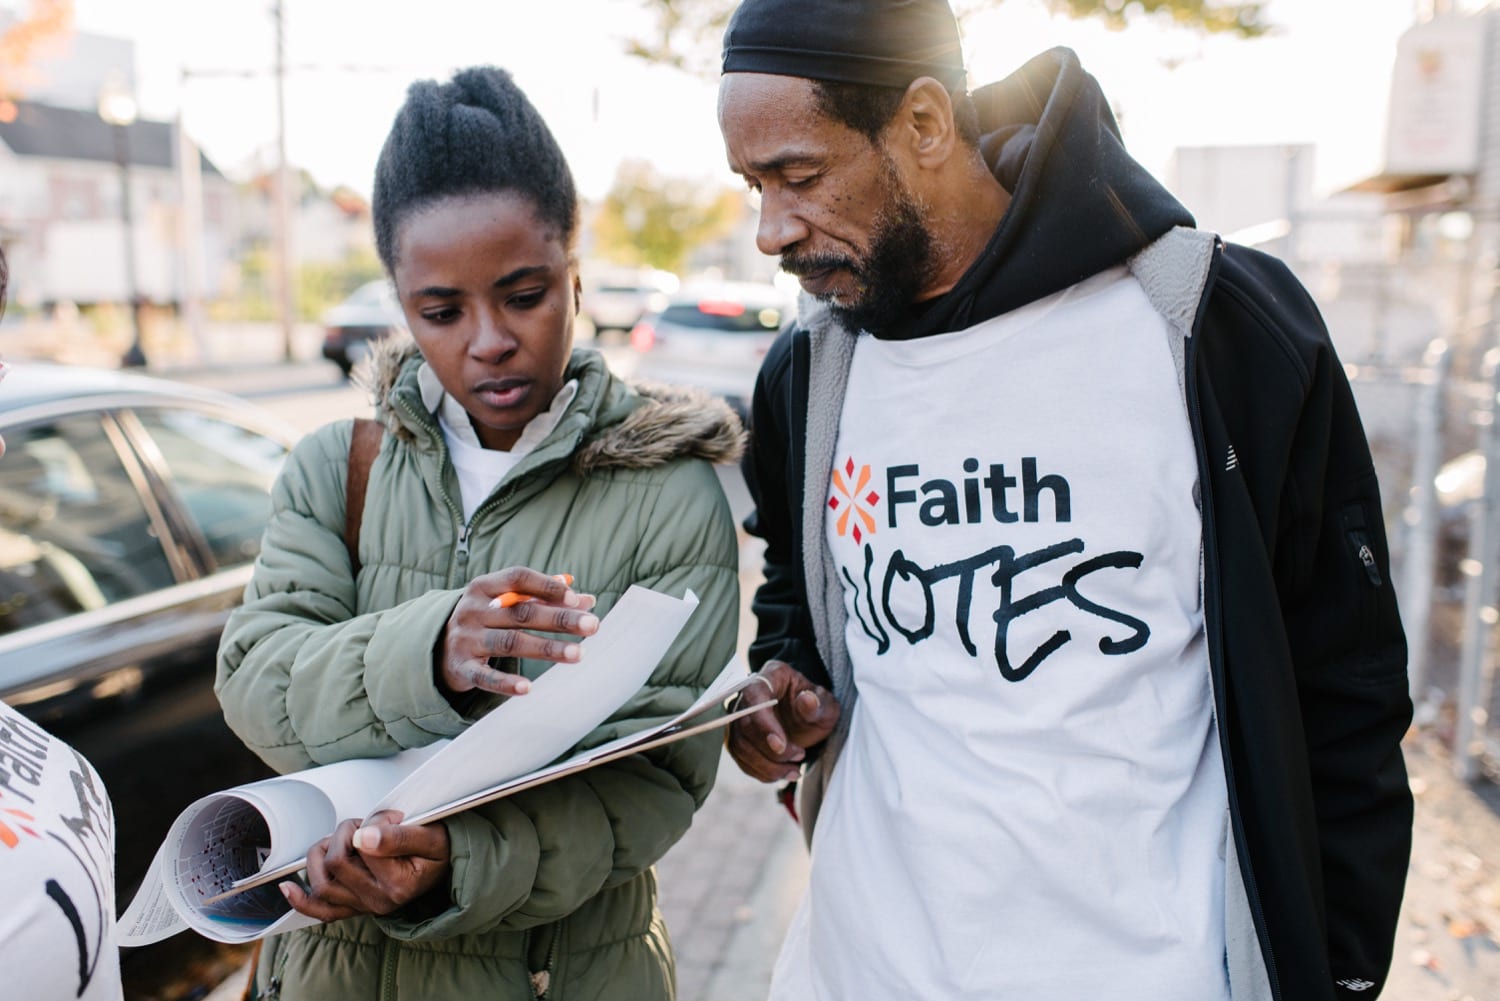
column 1031, row 802
column 57, row 884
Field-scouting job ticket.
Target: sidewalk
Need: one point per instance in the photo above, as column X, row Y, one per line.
column 729, row 888
column 1448, row 940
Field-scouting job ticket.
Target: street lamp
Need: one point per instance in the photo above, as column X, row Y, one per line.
column 117, row 108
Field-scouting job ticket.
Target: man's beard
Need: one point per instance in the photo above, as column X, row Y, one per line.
column 888, row 278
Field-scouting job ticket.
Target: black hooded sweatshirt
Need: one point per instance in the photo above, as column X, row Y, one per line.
column 1306, row 648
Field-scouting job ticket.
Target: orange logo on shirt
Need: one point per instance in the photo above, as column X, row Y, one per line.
column 8, row 836
column 851, row 509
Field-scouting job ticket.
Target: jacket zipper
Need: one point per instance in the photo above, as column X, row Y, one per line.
column 273, row 986
column 1366, row 556
column 541, row 980
column 388, row 971
column 466, row 530
column 461, row 556
column 1213, row 625
column 458, row 576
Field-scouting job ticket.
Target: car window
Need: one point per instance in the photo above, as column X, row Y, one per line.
column 372, row 294
column 729, row 317
column 74, row 534
column 223, row 473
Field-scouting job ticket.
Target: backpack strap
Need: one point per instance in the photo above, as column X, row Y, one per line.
column 364, row 444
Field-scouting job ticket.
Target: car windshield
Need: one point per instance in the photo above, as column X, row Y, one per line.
column 731, row 317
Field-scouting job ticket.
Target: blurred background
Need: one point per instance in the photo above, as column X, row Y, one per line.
column 184, row 193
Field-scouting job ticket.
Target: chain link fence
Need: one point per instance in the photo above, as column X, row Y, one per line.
column 1431, row 432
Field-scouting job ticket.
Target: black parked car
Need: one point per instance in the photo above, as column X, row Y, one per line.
column 131, row 510
column 370, row 313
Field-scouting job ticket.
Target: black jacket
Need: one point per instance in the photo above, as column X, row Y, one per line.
column 1307, row 653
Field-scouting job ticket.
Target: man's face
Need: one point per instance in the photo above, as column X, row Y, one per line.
column 834, row 206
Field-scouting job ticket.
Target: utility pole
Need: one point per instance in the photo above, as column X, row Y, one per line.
column 190, row 227
column 282, row 209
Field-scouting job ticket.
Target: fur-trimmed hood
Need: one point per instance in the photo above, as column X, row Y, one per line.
column 647, row 425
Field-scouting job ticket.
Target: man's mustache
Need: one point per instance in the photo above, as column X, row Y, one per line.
column 802, row 265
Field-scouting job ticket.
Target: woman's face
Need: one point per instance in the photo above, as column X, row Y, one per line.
column 489, row 292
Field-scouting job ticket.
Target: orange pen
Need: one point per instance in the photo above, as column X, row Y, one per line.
column 515, row 597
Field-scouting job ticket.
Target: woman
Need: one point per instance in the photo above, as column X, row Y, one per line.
column 502, row 449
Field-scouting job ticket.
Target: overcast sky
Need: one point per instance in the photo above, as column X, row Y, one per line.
column 1324, row 79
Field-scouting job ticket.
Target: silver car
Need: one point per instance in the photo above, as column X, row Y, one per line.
column 713, row 337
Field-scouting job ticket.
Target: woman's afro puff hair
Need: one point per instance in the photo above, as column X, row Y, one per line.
column 476, row 134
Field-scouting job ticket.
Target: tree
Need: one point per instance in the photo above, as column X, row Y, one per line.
column 658, row 221
column 688, row 31
column 20, row 40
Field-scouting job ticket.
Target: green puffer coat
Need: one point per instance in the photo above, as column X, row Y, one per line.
column 552, row 893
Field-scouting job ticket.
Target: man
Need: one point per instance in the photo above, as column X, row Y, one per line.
column 1077, row 604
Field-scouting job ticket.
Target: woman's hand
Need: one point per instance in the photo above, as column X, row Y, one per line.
column 482, row 627
column 375, row 867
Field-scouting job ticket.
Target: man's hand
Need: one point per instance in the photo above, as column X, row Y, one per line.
column 481, row 628
column 375, row 867
column 770, row 744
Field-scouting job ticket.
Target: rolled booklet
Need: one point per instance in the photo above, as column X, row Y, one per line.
column 217, row 870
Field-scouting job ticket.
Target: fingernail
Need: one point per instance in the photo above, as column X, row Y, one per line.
column 286, row 890
column 365, row 839
column 571, row 599
column 572, row 651
column 521, row 687
column 588, row 623
column 776, row 744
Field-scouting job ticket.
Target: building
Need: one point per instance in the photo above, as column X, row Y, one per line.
column 331, row 226
column 61, row 215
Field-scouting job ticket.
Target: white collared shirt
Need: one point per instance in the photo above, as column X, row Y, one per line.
column 480, row 470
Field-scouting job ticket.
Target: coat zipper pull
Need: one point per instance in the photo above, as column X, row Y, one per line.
column 463, row 549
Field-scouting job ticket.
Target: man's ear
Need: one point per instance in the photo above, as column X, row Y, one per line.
column 926, row 124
